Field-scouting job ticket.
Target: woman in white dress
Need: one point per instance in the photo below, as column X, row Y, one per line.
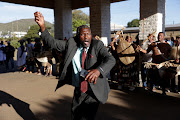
column 21, row 56
column 2, row 54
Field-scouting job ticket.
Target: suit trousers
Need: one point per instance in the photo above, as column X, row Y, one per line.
column 84, row 105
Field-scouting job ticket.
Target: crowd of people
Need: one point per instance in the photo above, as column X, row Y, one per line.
column 84, row 62
column 31, row 57
column 6, row 55
column 37, row 58
column 150, row 51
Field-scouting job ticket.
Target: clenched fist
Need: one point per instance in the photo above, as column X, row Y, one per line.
column 40, row 20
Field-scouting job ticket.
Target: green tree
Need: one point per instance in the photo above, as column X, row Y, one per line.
column 77, row 22
column 14, row 41
column 79, row 15
column 1, row 39
column 79, row 18
column 4, row 33
column 15, row 44
column 33, row 32
column 12, row 38
column 133, row 23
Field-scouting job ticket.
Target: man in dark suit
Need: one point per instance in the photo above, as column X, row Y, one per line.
column 82, row 53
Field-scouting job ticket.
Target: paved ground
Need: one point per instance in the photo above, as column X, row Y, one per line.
column 26, row 96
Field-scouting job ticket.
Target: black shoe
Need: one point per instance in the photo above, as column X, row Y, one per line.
column 164, row 94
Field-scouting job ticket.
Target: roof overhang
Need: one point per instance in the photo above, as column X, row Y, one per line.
column 50, row 3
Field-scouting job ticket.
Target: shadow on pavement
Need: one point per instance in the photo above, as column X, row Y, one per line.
column 57, row 109
column 61, row 110
column 4, row 70
column 19, row 106
column 142, row 106
column 138, row 105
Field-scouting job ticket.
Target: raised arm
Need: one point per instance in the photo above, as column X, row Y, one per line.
column 53, row 43
column 40, row 20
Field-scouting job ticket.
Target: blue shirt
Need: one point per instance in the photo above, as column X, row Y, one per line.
column 76, row 62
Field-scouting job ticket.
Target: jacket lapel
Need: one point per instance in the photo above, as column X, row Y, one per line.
column 70, row 54
column 89, row 59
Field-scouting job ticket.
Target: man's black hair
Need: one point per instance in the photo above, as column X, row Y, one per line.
column 80, row 28
column 161, row 32
column 77, row 37
column 127, row 37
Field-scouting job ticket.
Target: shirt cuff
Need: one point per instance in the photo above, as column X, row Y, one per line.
column 101, row 72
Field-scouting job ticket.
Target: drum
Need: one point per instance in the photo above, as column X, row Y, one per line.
column 167, row 73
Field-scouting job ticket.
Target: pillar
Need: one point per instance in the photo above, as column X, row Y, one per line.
column 63, row 19
column 100, row 18
column 152, row 18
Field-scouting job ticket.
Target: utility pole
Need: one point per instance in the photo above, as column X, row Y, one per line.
column 12, row 31
column 17, row 25
column 114, row 28
column 12, row 27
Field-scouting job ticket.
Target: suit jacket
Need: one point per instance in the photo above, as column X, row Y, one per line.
column 97, row 58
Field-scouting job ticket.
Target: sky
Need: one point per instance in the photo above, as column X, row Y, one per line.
column 121, row 12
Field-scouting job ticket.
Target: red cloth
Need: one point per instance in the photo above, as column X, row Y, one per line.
column 84, row 84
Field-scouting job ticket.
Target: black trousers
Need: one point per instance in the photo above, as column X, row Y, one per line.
column 84, row 105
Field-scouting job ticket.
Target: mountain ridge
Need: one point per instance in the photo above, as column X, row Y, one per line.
column 20, row 25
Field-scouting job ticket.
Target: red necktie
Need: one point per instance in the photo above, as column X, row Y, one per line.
column 84, row 84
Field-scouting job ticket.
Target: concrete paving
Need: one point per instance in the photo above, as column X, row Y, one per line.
column 29, row 96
